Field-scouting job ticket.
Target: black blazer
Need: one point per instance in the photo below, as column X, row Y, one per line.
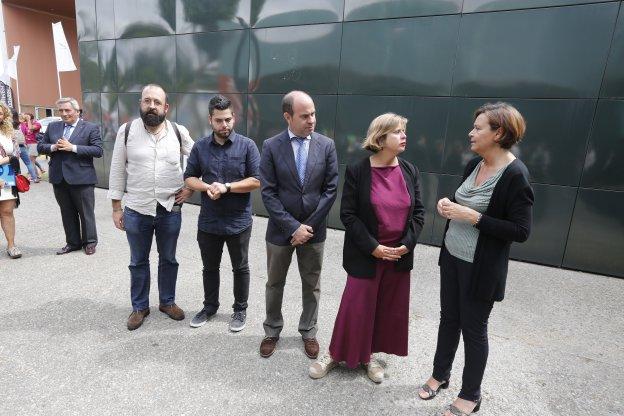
column 360, row 221
column 507, row 218
column 75, row 168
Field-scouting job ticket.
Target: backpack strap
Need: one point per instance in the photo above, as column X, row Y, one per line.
column 175, row 129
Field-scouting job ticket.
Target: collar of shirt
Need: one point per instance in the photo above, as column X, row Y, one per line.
column 291, row 135
column 162, row 133
column 231, row 138
column 71, row 125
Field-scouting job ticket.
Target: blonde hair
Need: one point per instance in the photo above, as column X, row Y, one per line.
column 504, row 116
column 379, row 128
column 6, row 126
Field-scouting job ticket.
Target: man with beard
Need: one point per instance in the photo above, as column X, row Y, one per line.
column 299, row 174
column 72, row 144
column 224, row 168
column 147, row 164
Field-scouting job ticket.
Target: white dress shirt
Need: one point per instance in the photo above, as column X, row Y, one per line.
column 295, row 145
column 148, row 168
column 72, row 127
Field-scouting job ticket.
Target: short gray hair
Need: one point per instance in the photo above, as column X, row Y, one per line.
column 71, row 100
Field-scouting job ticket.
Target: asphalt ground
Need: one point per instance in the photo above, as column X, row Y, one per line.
column 556, row 342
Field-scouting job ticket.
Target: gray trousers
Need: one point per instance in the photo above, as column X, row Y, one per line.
column 310, row 261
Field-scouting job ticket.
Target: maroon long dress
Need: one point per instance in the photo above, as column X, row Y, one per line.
column 374, row 313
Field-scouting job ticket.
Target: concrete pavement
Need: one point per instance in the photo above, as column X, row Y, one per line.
column 556, row 342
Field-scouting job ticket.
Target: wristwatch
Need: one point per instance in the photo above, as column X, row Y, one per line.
column 228, row 187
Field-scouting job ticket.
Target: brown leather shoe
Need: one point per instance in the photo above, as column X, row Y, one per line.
column 89, row 249
column 267, row 346
column 311, row 347
column 136, row 318
column 67, row 249
column 173, row 311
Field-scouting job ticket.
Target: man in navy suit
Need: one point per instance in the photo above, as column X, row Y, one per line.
column 72, row 144
column 299, row 176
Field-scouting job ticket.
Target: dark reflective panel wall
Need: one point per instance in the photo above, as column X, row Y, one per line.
column 108, row 65
column 596, row 240
column 427, row 118
column 604, row 163
column 536, row 62
column 381, row 9
column 393, row 61
column 268, row 13
column 140, row 18
column 85, row 20
column 287, row 58
column 613, row 84
column 560, row 62
column 211, row 15
column 143, row 61
column 492, row 5
column 213, row 62
column 553, row 148
column 89, row 67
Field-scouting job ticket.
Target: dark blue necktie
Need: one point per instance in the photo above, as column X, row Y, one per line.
column 301, row 158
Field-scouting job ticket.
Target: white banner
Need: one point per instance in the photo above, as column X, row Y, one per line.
column 11, row 65
column 64, row 61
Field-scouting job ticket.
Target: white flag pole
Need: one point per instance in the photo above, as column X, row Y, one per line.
column 62, row 53
column 58, row 78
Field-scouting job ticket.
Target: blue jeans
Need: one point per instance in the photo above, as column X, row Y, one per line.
column 140, row 230
column 24, row 156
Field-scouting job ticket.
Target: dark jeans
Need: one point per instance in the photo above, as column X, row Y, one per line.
column 140, row 230
column 461, row 314
column 211, row 247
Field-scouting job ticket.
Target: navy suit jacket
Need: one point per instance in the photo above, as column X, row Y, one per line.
column 288, row 203
column 76, row 168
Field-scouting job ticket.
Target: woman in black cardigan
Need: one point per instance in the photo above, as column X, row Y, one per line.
column 491, row 209
column 383, row 216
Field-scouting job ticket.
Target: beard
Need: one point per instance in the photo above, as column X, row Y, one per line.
column 152, row 118
column 222, row 136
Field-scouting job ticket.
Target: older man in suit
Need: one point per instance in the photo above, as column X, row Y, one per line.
column 299, row 176
column 72, row 144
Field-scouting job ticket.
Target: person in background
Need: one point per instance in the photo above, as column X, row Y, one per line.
column 383, row 216
column 72, row 144
column 30, row 127
column 21, row 141
column 9, row 198
column 491, row 209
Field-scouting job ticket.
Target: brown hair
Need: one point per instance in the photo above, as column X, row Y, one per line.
column 504, row 116
column 379, row 127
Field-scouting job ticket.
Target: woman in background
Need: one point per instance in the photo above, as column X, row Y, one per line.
column 9, row 199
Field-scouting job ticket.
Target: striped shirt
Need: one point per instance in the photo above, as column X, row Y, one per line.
column 461, row 237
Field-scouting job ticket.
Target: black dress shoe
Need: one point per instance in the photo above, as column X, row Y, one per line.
column 67, row 249
column 89, row 249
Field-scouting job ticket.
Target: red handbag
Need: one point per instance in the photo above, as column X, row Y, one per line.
column 22, row 183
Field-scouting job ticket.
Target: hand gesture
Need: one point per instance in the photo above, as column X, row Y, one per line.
column 64, row 145
column 182, row 195
column 387, row 253
column 118, row 220
column 302, row 235
column 215, row 190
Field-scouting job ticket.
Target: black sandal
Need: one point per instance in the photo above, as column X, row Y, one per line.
column 456, row 412
column 431, row 392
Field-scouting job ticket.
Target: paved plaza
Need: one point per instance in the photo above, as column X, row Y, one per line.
column 556, row 342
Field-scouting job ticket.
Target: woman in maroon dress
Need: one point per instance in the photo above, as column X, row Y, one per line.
column 383, row 215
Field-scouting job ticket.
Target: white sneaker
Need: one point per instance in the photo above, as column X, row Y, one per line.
column 323, row 366
column 375, row 371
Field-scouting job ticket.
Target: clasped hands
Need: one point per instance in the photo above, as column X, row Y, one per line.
column 64, row 145
column 389, row 253
column 301, row 235
column 215, row 190
column 454, row 211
